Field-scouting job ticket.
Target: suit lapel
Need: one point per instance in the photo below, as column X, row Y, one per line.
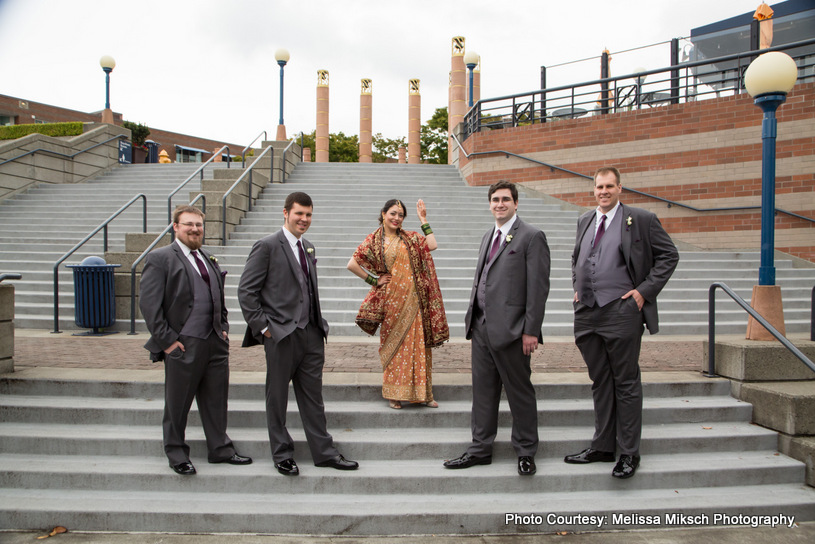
column 625, row 234
column 185, row 264
column 583, row 229
column 482, row 253
column 512, row 232
column 293, row 264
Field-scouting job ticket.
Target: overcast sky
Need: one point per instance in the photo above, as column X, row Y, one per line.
column 207, row 68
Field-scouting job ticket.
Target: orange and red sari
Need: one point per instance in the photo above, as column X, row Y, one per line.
column 409, row 309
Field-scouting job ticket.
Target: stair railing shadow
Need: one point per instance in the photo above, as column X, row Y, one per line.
column 711, row 319
column 104, row 227
column 141, row 257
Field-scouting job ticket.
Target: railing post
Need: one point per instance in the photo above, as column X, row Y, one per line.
column 812, row 317
column 604, row 60
column 675, row 71
column 711, row 332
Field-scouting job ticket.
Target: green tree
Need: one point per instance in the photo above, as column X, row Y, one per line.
column 385, row 148
column 342, row 148
column 138, row 132
column 434, row 138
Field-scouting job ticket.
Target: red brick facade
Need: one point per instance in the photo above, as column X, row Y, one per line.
column 704, row 154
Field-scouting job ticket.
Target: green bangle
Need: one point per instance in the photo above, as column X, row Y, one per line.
column 426, row 229
column 371, row 279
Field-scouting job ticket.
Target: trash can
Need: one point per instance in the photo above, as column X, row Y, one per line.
column 94, row 300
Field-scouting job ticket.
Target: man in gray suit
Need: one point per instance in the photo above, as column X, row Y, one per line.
column 621, row 261
column 280, row 302
column 181, row 296
column 504, row 321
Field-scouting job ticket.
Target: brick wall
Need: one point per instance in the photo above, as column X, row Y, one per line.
column 704, row 154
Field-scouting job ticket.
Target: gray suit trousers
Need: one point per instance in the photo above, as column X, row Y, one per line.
column 491, row 369
column 298, row 358
column 609, row 338
column 200, row 372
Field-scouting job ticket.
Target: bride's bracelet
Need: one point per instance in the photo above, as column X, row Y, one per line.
column 426, row 229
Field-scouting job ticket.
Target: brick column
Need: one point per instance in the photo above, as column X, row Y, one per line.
column 414, row 122
column 458, row 92
column 402, row 155
column 365, row 121
column 306, row 154
column 321, row 138
column 477, row 81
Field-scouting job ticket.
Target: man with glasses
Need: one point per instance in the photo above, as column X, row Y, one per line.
column 181, row 296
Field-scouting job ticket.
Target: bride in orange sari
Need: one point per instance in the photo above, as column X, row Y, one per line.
column 405, row 300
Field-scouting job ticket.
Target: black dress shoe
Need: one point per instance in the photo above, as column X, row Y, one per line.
column 287, row 467
column 235, row 460
column 626, row 466
column 339, row 462
column 590, row 456
column 185, row 468
column 467, row 461
column 526, row 465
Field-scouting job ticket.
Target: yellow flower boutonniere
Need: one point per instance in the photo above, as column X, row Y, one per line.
column 628, row 222
column 310, row 250
column 213, row 259
column 509, row 238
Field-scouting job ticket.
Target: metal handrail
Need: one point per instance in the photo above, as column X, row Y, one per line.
column 200, row 171
column 667, row 201
column 245, row 149
column 41, row 150
column 141, row 257
column 103, row 226
column 10, row 276
column 812, row 316
column 475, row 111
column 283, row 161
column 711, row 372
column 234, row 185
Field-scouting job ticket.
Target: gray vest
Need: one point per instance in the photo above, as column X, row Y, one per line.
column 306, row 297
column 200, row 321
column 481, row 290
column 601, row 274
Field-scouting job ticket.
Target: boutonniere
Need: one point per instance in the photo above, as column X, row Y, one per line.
column 310, row 250
column 628, row 222
column 509, row 238
column 213, row 259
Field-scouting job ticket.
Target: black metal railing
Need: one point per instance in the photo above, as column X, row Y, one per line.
column 10, row 276
column 141, row 257
column 284, row 159
column 65, row 155
column 198, row 171
column 684, row 82
column 812, row 316
column 237, row 182
column 667, row 201
column 711, row 327
column 103, row 226
column 245, row 149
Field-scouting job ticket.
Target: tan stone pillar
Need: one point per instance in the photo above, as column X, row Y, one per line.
column 107, row 116
column 366, row 100
column 402, row 155
column 321, row 138
column 306, row 154
column 458, row 92
column 414, row 122
column 6, row 328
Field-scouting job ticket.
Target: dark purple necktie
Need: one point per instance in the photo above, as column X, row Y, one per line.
column 201, row 266
column 303, row 264
column 495, row 245
column 601, row 230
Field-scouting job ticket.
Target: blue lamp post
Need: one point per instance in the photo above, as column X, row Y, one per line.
column 768, row 80
column 282, row 57
column 108, row 64
column 471, row 61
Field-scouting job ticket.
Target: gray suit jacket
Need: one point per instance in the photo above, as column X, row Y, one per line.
column 270, row 290
column 166, row 296
column 649, row 254
column 517, row 285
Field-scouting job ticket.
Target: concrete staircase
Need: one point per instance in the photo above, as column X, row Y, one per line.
column 87, row 454
column 41, row 225
column 348, row 197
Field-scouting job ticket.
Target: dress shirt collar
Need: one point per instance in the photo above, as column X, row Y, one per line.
column 505, row 228
column 609, row 216
column 292, row 240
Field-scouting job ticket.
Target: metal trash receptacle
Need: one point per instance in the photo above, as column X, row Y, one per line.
column 94, row 297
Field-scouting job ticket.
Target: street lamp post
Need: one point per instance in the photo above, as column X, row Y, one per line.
column 471, row 61
column 108, row 64
column 768, row 80
column 282, row 57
